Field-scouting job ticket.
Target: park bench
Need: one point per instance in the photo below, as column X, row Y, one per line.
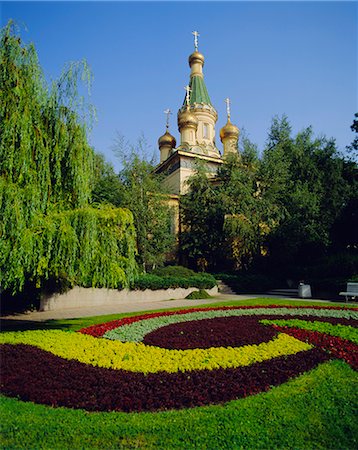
column 352, row 291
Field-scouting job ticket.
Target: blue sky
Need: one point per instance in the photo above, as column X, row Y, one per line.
column 270, row 58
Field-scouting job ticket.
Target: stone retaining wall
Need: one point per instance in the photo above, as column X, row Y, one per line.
column 85, row 297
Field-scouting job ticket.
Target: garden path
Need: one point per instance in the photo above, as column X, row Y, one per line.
column 73, row 313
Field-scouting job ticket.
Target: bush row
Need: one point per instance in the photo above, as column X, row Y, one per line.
column 174, row 271
column 248, row 283
column 154, row 282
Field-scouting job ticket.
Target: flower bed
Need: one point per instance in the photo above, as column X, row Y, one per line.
column 175, row 359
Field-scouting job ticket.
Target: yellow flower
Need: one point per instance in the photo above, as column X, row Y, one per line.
column 138, row 357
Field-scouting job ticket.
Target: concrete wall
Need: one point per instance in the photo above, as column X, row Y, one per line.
column 85, row 297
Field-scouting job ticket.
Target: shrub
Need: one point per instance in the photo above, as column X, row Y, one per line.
column 248, row 283
column 196, row 295
column 154, row 282
column 174, row 271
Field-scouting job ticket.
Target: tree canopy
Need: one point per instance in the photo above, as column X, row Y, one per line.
column 48, row 227
column 353, row 148
column 292, row 205
column 143, row 192
column 66, row 214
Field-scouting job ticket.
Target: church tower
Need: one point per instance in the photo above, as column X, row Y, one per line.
column 197, row 118
column 229, row 134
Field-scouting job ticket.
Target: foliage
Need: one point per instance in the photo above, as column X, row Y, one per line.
column 324, row 415
column 83, row 322
column 353, row 148
column 202, row 218
column 311, row 184
column 335, row 346
column 245, row 221
column 175, row 271
column 149, row 281
column 136, row 328
column 137, row 357
column 245, row 282
column 215, row 332
column 48, row 230
column 225, row 224
column 107, row 187
column 249, row 154
column 294, row 205
column 43, row 147
column 338, row 265
column 87, row 247
column 144, row 194
column 197, row 295
column 347, row 332
column 266, row 420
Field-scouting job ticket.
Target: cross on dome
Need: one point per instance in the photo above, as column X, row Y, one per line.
column 227, row 101
column 168, row 113
column 196, row 35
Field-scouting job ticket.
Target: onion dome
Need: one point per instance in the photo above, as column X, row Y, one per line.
column 196, row 57
column 229, row 131
column 167, row 140
column 187, row 120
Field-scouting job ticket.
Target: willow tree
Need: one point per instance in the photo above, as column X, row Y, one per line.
column 48, row 228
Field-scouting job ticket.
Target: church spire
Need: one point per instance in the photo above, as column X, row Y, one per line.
column 187, row 121
column 229, row 134
column 199, row 93
column 166, row 142
column 201, row 137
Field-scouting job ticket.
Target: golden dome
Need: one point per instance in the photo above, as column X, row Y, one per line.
column 229, row 130
column 187, row 120
column 196, row 57
column 167, row 140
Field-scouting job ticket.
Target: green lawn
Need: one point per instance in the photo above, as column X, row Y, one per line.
column 316, row 410
column 82, row 322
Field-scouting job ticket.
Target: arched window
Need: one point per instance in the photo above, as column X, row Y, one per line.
column 206, row 131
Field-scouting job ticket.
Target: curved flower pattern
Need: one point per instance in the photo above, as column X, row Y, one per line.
column 218, row 332
column 136, row 331
column 101, row 329
column 138, row 357
column 175, row 359
column 75, row 385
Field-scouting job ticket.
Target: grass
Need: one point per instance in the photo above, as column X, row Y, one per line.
column 315, row 410
column 82, row 322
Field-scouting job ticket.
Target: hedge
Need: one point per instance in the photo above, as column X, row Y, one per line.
column 154, row 282
column 248, row 283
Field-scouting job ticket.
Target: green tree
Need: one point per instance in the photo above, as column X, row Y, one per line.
column 202, row 222
column 239, row 197
column 306, row 178
column 47, row 229
column 353, row 148
column 107, row 186
column 224, row 222
column 144, row 194
column 291, row 205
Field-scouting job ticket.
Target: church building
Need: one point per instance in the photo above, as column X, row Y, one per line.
column 197, row 118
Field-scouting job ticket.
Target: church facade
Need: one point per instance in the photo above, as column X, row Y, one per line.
column 197, row 118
